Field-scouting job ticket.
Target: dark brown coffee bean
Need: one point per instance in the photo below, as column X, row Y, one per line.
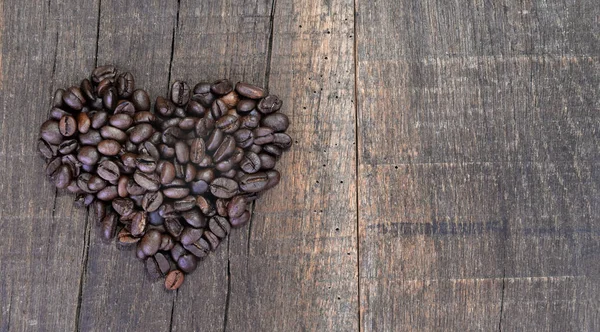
column 221, row 205
column 143, row 117
column 200, row 248
column 98, row 210
column 263, row 135
column 62, row 177
column 187, row 263
column 190, row 235
column 212, row 239
column 135, row 189
column 236, row 206
column 204, row 127
column 202, row 94
column 146, row 163
column 109, row 226
column 244, row 138
column 180, row 93
column 67, row 126
column 221, row 87
column 96, row 183
column 194, row 218
column 225, row 149
column 228, row 123
column 47, row 150
column 279, row 122
column 273, row 150
column 108, row 170
column 147, row 181
column 250, row 121
column 255, row 148
column 218, row 109
column 122, row 186
column 266, row 161
column 249, row 90
column 199, row 187
column 88, row 155
column 83, row 123
column 50, row 132
column 140, row 133
column 194, row 108
column 82, row 181
column 125, row 85
column 104, row 86
column 164, row 107
column 207, row 175
column 171, row 135
column 129, row 159
column 141, row 100
column 150, row 243
column 214, row 140
column 245, row 106
column 66, row 147
column 224, row 187
column 219, row 226
column 205, row 206
column 176, row 193
column 102, row 72
column 251, row 163
column 123, row 206
column 139, row 224
column 177, row 251
column 167, row 174
column 190, row 173
column 167, row 242
column 109, row 147
column 152, row 201
column 109, row 100
column 231, row 99
column 99, row 119
column 197, row 150
column 269, row 104
column 187, row 123
column 253, row 182
column 125, row 107
column 240, row 221
column 162, row 261
column 184, row 204
column 74, row 98
column 274, row 178
column 174, row 280
column 173, row 226
column 57, row 113
column 108, row 194
column 224, row 166
column 57, row 99
column 182, row 152
column 92, row 137
column 282, row 140
column 152, row 269
column 109, row 132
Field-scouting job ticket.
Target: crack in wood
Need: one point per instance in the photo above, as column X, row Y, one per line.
column 502, row 300
column 175, row 28
column 228, row 294
column 97, row 33
column 173, row 310
column 84, row 259
column 356, row 166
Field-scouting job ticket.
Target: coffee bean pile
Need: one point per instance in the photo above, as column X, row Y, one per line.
column 170, row 183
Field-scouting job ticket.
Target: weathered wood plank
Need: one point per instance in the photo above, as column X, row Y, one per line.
column 117, row 295
column 481, row 169
column 41, row 252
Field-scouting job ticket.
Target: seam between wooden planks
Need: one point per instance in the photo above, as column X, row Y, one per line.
column 356, row 152
column 175, row 28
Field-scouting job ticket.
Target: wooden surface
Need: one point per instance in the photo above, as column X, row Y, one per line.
column 445, row 174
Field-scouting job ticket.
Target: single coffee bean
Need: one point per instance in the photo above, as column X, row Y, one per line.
column 219, row 226
column 167, row 242
column 176, row 192
column 269, row 104
column 214, row 140
column 143, row 117
column 98, row 210
column 140, row 133
column 199, row 187
column 125, row 85
column 273, row 150
column 249, row 121
column 152, row 201
column 103, row 72
column 173, row 226
column 88, row 155
column 249, row 90
column 190, row 173
column 82, row 182
column 177, row 251
column 240, row 221
column 207, row 175
column 221, row 205
column 57, row 99
column 150, row 243
column 231, row 174
column 184, row 204
column 125, row 240
column 194, row 218
column 164, row 107
column 92, row 137
column 147, row 181
column 194, row 108
column 50, row 132
column 179, row 169
column 182, row 152
column 205, row 206
column 109, row 226
column 109, row 100
column 218, row 109
column 236, row 206
column 99, row 119
column 197, row 150
column 155, row 219
column 103, row 86
column 163, row 262
column 282, row 140
column 263, row 135
column 237, row 155
column 139, row 253
column 224, row 187
column 129, row 159
column 224, row 166
column 231, row 99
column 279, row 122
column 187, row 123
column 135, row 189
column 141, row 100
column 67, row 126
column 139, row 225
column 67, row 147
column 274, row 178
column 212, row 239
column 243, row 138
column 253, row 182
column 62, row 177
column 225, row 149
column 83, row 123
column 146, row 163
column 47, row 150
column 125, row 107
column 152, row 269
column 109, row 147
column 202, row 94
column 123, row 206
column 266, row 161
column 180, row 93
column 95, row 183
column 171, row 135
column 174, row 280
column 108, row 194
column 122, row 186
column 228, row 123
column 109, row 132
column 245, row 106
column 190, row 235
column 108, row 170
column 204, row 127
column 221, row 87
column 187, row 263
column 179, row 113
column 251, row 162
column 57, row 113
column 74, row 98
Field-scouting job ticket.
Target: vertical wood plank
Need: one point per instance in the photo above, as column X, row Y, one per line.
column 44, row 47
column 481, row 170
column 117, row 295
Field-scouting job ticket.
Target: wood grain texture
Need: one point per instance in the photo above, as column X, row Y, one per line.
column 41, row 260
column 478, row 192
column 117, row 295
column 214, row 40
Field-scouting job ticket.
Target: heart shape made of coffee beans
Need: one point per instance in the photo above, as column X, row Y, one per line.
column 170, row 183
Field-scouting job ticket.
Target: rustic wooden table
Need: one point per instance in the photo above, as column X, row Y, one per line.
column 445, row 174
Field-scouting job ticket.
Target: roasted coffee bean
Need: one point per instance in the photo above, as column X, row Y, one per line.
column 249, row 90
column 249, row 121
column 98, row 210
column 245, row 106
column 194, row 108
column 202, row 94
column 108, row 194
column 212, row 239
column 190, row 173
column 129, row 159
column 122, row 186
column 167, row 242
column 152, row 269
column 176, row 192
column 221, row 205
column 205, row 206
column 74, row 98
column 99, row 119
column 224, row 187
column 108, row 170
column 187, row 263
column 207, row 175
column 180, row 93
column 96, row 183
column 199, row 187
column 224, row 166
column 125, row 85
column 51, row 133
column 164, row 107
column 237, row 156
column 266, row 161
column 253, row 182
column 67, row 147
column 109, row 147
column 232, row 173
column 140, row 133
column 263, row 135
column 103, row 86
column 135, row 189
column 204, row 127
column 123, row 206
column 146, row 163
column 225, row 149
column 87, row 90
column 179, row 113
column 218, row 109
column 150, row 243
column 166, row 151
column 221, row 87
column 109, row 226
column 279, row 122
column 88, row 155
column 82, row 182
column 219, row 226
column 240, row 221
column 139, row 224
column 214, row 140
column 62, row 177
column 147, row 181
column 92, row 137
column 231, row 99
column 141, row 100
column 194, row 218
column 236, row 206
column 243, row 138
column 162, row 261
column 182, row 152
column 190, row 235
column 272, row 149
column 187, row 123
column 109, row 100
column 109, row 132
column 173, row 226
column 228, row 123
column 143, row 117
column 174, row 280
column 83, row 123
column 282, row 140
column 125, row 107
column 171, row 135
column 53, row 166
column 274, row 178
column 103, row 72
column 67, row 126
column 184, row 204
column 177, row 251
column 47, row 150
column 57, row 113
column 57, row 99
column 269, row 104
column 155, row 219
column 152, row 201
column 179, row 169
column 251, row 162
